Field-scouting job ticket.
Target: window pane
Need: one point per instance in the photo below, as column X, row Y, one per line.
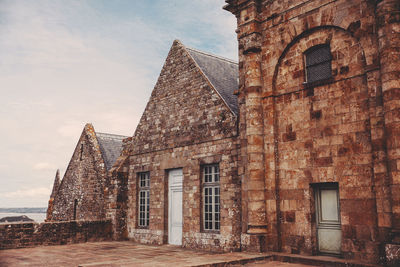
column 216, row 173
column 318, row 55
column 144, row 199
column 329, row 205
column 216, row 208
column 319, row 72
column 211, row 191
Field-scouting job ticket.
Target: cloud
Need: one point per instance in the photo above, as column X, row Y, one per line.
column 38, row 192
column 44, row 166
column 66, row 63
column 71, row 128
column 202, row 24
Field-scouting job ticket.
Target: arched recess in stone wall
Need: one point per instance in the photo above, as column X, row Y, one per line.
column 308, row 33
column 322, row 134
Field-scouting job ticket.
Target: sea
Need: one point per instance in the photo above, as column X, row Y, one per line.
column 37, row 217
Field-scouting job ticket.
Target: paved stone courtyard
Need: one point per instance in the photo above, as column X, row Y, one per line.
column 127, row 254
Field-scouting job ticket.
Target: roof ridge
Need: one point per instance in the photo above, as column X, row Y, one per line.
column 111, row 135
column 212, row 55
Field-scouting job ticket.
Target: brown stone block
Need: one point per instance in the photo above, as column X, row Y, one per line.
column 363, row 232
column 362, row 218
column 324, row 161
column 396, row 220
column 270, row 193
column 254, row 148
column 255, row 185
column 257, row 165
column 356, row 192
column 258, row 195
column 392, row 94
column 393, row 136
column 396, row 177
column 256, row 207
column 357, row 205
column 295, row 194
column 255, row 140
column 255, row 157
column 348, row 231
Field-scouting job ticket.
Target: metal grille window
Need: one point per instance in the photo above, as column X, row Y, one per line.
column 144, row 199
column 211, row 197
column 318, row 63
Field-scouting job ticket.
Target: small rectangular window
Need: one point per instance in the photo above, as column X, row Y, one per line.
column 211, row 197
column 75, row 208
column 81, row 153
column 318, row 63
column 144, row 199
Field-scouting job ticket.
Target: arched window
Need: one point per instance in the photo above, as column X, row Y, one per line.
column 318, row 63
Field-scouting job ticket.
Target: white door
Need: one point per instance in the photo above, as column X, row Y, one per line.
column 328, row 220
column 175, row 181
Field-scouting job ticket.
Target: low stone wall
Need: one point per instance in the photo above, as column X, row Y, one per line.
column 19, row 235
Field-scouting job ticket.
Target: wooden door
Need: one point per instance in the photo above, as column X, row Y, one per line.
column 175, row 181
column 329, row 231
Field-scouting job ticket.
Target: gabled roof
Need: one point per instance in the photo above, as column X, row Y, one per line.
column 110, row 147
column 222, row 73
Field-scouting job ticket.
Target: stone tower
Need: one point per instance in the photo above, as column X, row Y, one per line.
column 320, row 126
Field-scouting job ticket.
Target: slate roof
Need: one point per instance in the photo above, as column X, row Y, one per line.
column 110, row 146
column 222, row 73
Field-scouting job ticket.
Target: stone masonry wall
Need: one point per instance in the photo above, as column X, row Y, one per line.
column 333, row 131
column 324, row 135
column 19, row 235
column 388, row 29
column 190, row 159
column 84, row 181
column 183, row 108
column 185, row 125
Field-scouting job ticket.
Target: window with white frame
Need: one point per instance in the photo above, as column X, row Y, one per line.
column 318, row 63
column 144, row 199
column 211, row 198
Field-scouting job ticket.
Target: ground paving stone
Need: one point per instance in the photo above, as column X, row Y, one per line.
column 127, row 254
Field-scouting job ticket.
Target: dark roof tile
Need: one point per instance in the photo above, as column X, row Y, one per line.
column 110, row 146
column 222, row 73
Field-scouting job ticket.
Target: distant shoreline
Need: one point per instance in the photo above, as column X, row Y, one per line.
column 23, row 210
column 37, row 217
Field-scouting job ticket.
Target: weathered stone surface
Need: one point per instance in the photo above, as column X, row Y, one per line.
column 82, row 193
column 186, row 124
column 287, row 136
column 19, row 235
column 344, row 130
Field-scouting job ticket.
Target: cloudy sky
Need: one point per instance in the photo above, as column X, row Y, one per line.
column 67, row 62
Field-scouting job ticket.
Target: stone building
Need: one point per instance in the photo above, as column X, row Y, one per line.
column 295, row 149
column 319, row 124
column 181, row 184
column 81, row 194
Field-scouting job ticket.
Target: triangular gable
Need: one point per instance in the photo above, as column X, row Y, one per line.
column 185, row 107
column 79, row 179
column 222, row 73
